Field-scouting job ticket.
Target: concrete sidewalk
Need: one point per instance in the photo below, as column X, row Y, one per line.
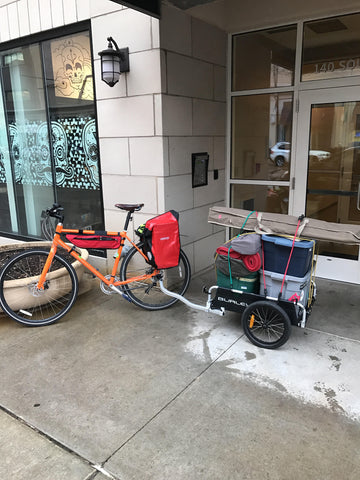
column 112, row 391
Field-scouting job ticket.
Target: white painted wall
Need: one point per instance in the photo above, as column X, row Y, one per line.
column 24, row 17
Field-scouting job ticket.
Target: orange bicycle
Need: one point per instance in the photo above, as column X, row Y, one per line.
column 50, row 283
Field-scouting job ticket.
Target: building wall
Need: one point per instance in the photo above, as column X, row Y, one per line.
column 131, row 153
column 19, row 18
column 193, row 56
column 132, row 150
column 171, row 104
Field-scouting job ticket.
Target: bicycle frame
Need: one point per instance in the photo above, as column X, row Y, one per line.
column 58, row 242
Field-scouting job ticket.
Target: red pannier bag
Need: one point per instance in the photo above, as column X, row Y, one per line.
column 162, row 240
column 101, row 242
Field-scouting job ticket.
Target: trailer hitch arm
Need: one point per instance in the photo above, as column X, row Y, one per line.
column 207, row 308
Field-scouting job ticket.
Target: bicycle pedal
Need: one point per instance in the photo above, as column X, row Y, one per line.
column 126, row 297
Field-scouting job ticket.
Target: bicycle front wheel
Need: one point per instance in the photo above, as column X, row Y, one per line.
column 146, row 293
column 23, row 302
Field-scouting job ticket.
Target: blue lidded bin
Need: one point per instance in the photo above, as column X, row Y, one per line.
column 277, row 251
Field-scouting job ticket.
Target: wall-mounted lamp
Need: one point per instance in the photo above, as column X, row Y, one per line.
column 113, row 62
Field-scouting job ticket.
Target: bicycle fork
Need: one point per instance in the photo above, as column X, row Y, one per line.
column 41, row 285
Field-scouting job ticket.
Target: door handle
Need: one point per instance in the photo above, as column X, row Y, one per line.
column 358, row 198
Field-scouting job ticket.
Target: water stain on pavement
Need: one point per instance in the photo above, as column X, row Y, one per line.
column 330, row 395
column 250, row 356
column 336, row 362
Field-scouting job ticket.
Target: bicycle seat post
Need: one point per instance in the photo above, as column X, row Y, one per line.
column 128, row 219
column 130, row 208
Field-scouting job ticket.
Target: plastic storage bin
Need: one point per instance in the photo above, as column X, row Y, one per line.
column 277, row 251
column 249, row 284
column 292, row 285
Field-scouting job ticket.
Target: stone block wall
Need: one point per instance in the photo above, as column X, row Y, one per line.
column 194, row 120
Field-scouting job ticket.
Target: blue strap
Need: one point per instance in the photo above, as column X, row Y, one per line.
column 231, row 280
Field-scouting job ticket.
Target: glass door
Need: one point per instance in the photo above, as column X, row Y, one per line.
column 327, row 172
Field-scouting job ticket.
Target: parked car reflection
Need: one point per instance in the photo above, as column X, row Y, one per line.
column 280, row 154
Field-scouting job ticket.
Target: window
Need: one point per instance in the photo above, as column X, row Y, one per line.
column 261, row 121
column 331, row 48
column 48, row 135
column 262, row 198
column 264, row 59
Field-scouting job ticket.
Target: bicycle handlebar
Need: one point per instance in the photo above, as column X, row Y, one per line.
column 56, row 211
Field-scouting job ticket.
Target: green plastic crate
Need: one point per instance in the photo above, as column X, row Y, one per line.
column 250, row 283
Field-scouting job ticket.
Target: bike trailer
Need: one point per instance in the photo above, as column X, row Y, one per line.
column 161, row 240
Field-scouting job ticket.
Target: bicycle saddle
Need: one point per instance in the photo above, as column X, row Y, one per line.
column 129, row 207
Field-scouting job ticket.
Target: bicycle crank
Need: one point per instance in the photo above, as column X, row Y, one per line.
column 106, row 288
column 110, row 289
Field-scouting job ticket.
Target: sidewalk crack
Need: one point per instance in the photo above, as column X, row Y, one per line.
column 97, row 468
column 173, row 399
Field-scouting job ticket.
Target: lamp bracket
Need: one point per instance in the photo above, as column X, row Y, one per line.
column 123, row 55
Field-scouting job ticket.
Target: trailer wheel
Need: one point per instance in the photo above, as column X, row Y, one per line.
column 266, row 324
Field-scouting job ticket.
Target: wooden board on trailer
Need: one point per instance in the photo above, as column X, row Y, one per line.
column 280, row 224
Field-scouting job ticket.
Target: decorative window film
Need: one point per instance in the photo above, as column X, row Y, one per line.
column 29, row 149
column 75, row 153
column 2, row 168
column 71, row 63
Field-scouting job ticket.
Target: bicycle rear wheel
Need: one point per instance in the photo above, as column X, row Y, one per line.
column 19, row 297
column 147, row 294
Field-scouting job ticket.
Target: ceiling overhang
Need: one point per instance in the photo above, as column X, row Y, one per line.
column 153, row 7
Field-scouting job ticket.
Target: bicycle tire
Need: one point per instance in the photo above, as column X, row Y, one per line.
column 29, row 306
column 266, row 324
column 147, row 294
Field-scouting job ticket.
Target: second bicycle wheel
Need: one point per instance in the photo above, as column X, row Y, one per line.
column 21, row 300
column 147, row 293
column 266, row 324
